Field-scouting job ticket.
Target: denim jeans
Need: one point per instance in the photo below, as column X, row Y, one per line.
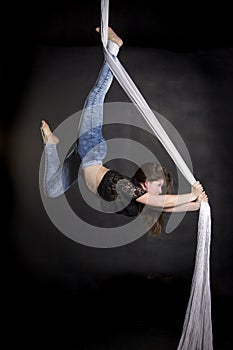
column 91, row 146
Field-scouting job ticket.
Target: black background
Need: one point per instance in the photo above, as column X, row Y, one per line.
column 57, row 293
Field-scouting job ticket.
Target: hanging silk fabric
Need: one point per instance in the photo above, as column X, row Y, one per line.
column 197, row 328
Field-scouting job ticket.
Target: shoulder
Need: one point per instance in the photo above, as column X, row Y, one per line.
column 129, row 187
column 118, row 184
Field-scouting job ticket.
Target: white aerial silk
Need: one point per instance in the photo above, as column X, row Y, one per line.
column 197, row 328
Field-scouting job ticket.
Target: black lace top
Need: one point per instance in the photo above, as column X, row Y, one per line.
column 119, row 194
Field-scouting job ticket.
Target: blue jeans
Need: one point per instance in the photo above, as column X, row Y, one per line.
column 91, row 145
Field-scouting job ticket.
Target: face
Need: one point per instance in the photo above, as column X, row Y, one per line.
column 154, row 187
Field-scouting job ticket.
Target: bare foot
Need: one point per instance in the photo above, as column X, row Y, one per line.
column 47, row 135
column 112, row 36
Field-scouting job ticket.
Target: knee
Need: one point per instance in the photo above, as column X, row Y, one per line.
column 51, row 192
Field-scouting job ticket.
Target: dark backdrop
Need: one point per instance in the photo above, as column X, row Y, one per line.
column 59, row 293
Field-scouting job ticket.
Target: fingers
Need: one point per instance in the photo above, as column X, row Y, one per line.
column 198, row 185
column 198, row 192
column 203, row 197
column 197, row 188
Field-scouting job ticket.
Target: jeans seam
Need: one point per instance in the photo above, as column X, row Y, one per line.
column 94, row 136
column 102, row 86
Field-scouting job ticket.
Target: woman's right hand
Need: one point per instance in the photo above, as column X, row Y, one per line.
column 197, row 189
column 202, row 197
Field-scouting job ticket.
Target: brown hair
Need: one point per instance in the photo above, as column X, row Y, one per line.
column 153, row 172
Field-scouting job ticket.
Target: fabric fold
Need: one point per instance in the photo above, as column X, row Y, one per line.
column 197, row 328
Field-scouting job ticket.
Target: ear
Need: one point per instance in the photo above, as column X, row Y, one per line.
column 145, row 185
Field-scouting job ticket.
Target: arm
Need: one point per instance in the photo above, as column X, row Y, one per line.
column 183, row 207
column 171, row 200
column 188, row 207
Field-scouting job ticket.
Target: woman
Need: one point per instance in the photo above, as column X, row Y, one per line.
column 127, row 196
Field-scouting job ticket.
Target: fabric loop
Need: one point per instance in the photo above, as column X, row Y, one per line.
column 197, row 328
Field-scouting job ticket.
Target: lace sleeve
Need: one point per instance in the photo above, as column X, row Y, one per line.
column 129, row 189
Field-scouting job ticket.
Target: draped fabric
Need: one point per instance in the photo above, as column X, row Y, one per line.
column 197, row 328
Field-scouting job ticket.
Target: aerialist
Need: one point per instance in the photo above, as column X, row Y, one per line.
column 148, row 190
